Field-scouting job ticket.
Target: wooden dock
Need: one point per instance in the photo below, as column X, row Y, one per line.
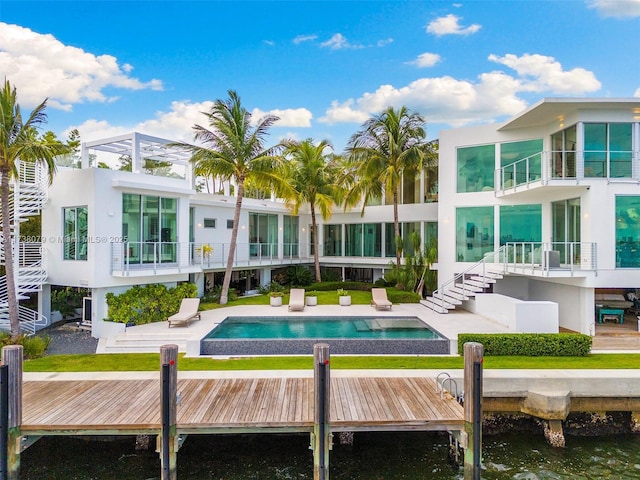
column 172, row 408
column 235, row 405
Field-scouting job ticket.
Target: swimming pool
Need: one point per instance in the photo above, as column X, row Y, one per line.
column 345, row 335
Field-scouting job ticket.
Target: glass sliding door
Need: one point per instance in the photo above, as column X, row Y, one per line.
column 474, row 233
column 372, row 241
column 566, row 230
column 353, row 240
column 333, row 240
column 563, row 162
column 627, row 231
column 290, row 236
column 263, row 235
column 131, row 226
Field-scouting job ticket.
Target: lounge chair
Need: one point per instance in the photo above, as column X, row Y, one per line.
column 379, row 298
column 296, row 300
column 188, row 312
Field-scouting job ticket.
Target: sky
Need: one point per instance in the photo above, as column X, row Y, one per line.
column 109, row 68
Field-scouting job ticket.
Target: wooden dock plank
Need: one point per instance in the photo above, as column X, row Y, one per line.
column 246, row 404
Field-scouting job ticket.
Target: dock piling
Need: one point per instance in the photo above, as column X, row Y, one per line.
column 168, row 385
column 473, row 359
column 321, row 442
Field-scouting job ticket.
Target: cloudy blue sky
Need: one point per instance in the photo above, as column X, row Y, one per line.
column 322, row 67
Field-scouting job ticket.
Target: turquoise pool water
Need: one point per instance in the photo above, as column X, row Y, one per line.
column 366, row 328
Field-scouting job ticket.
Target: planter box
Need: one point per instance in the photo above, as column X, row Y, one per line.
column 345, row 300
column 311, row 301
column 275, row 301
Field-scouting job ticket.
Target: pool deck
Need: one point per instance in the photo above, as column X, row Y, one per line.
column 149, row 338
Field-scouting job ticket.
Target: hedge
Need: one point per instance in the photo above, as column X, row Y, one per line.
column 394, row 295
column 147, row 304
column 529, row 344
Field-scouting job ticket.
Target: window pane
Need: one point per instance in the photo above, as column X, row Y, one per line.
column 620, row 150
column 131, row 225
column 169, row 229
column 372, row 244
column 474, row 233
column 627, row 231
column 595, row 150
column 522, row 161
column 410, row 189
column 390, row 240
column 430, row 184
column 290, row 236
column 476, row 167
column 431, row 234
column 69, row 245
column 333, row 240
column 82, row 234
column 353, row 240
column 408, row 229
column 520, row 223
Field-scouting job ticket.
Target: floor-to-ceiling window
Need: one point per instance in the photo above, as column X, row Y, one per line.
column 411, row 188
column 628, row 231
column 566, row 229
column 408, row 229
column 263, row 235
column 474, row 233
column 290, row 235
column 563, row 155
column 607, row 150
column 76, row 228
column 372, row 241
column 332, row 240
column 476, row 166
column 431, row 184
column 390, row 239
column 521, row 227
column 149, row 224
column 353, row 240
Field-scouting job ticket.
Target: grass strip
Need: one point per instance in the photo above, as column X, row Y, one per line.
column 150, row 362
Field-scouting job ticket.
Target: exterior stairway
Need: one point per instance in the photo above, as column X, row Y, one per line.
column 476, row 279
column 27, row 196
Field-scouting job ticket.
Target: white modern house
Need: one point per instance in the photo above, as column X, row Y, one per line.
column 545, row 206
column 541, row 209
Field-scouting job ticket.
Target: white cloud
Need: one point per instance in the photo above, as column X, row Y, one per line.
column 449, row 25
column 616, row 8
column 289, row 117
column 542, row 73
column 384, row 43
column 426, row 60
column 177, row 123
column 41, row 66
column 494, row 94
column 637, row 93
column 339, row 42
column 271, row 43
column 304, row 38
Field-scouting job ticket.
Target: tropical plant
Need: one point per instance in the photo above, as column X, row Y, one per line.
column 19, row 142
column 298, row 276
column 312, row 174
column 342, row 292
column 275, row 294
column 389, row 146
column 232, row 149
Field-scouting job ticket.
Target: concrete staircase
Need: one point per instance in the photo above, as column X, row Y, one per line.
column 148, row 342
column 464, row 286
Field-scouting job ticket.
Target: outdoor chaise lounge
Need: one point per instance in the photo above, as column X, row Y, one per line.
column 188, row 312
column 296, row 300
column 379, row 298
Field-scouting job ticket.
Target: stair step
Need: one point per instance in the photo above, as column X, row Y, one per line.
column 485, row 279
column 476, row 283
column 432, row 306
column 462, row 295
column 468, row 287
column 440, row 303
column 453, row 300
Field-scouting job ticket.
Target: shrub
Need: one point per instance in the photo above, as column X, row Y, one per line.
column 271, row 287
column 342, row 292
column 402, row 296
column 33, row 346
column 298, row 276
column 529, row 344
column 148, row 303
column 214, row 295
column 327, row 286
column 276, row 294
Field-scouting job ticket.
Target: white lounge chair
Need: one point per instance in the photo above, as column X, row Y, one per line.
column 188, row 312
column 379, row 298
column 296, row 300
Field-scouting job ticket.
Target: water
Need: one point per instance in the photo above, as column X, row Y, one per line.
column 374, row 456
column 323, row 327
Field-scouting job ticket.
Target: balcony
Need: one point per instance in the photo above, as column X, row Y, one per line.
column 550, row 259
column 565, row 169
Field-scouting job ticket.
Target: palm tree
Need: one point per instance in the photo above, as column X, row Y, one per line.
column 19, row 142
column 389, row 146
column 233, row 150
column 312, row 176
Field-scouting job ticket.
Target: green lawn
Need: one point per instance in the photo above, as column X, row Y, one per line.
column 358, row 297
column 150, row 362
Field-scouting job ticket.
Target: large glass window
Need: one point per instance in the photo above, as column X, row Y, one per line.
column 353, row 240
column 520, row 223
column 410, row 188
column 431, row 184
column 563, row 156
column 75, row 233
column 409, row 228
column 431, row 234
column 474, row 233
column 628, row 231
column 372, row 242
column 390, row 239
column 521, row 162
column 333, row 240
column 263, row 235
column 150, row 226
column 290, row 235
column 607, row 150
column 476, row 166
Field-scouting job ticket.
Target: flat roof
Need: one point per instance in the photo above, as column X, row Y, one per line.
column 547, row 109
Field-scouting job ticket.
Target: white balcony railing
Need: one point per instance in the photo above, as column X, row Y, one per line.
column 543, row 167
column 545, row 256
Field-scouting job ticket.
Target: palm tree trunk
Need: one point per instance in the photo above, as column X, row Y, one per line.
column 224, row 295
column 314, row 233
column 396, row 225
column 12, row 300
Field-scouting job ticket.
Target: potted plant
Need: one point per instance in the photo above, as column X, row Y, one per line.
column 275, row 299
column 311, row 299
column 344, row 298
